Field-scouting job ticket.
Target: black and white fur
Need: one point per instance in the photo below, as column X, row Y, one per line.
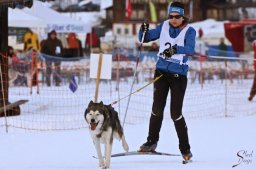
column 13, row 75
column 104, row 126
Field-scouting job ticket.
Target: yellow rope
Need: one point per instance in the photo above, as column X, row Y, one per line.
column 138, row 89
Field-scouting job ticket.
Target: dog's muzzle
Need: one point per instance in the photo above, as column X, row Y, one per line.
column 93, row 124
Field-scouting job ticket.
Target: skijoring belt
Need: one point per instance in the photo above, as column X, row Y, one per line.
column 172, row 60
column 175, row 75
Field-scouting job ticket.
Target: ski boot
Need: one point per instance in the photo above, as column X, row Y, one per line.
column 250, row 98
column 187, row 156
column 149, row 146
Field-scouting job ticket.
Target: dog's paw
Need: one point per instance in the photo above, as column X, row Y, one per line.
column 126, row 147
column 124, row 144
column 101, row 164
column 107, row 165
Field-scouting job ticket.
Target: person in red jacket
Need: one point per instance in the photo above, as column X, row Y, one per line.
column 92, row 40
column 253, row 89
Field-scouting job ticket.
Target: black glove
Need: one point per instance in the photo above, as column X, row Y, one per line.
column 169, row 52
column 144, row 27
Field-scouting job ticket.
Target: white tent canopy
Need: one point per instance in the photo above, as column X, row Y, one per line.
column 212, row 31
column 18, row 18
column 92, row 18
column 210, row 27
column 56, row 21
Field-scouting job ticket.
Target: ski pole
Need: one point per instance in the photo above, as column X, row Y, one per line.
column 134, row 75
column 118, row 79
column 2, row 89
column 31, row 72
column 37, row 73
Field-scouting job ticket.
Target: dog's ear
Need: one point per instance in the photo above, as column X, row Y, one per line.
column 91, row 102
column 101, row 104
column 86, row 110
column 85, row 113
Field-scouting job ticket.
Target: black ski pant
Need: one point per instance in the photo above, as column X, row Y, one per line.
column 176, row 84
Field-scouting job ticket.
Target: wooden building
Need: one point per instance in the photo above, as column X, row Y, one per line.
column 196, row 10
column 232, row 10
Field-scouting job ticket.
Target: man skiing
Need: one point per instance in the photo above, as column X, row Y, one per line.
column 177, row 40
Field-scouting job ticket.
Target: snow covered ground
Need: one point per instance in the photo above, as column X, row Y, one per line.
column 215, row 144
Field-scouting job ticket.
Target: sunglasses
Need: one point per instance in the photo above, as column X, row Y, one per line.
column 175, row 16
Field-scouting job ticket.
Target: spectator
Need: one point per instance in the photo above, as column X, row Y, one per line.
column 52, row 50
column 14, row 60
column 92, row 40
column 200, row 33
column 31, row 41
column 222, row 48
column 74, row 45
column 17, row 65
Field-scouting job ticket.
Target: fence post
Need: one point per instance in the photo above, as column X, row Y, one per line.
column 98, row 77
column 2, row 89
column 226, row 88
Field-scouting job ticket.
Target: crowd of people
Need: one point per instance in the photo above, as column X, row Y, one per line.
column 54, row 48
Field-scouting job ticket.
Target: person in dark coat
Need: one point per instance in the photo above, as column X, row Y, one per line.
column 52, row 51
column 222, row 48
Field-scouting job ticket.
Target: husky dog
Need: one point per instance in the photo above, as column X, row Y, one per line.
column 28, row 73
column 104, row 125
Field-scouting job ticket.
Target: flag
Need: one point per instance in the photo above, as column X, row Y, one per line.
column 72, row 84
column 128, row 9
column 152, row 9
column 169, row 1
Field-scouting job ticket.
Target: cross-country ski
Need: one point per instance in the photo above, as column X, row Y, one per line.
column 134, row 153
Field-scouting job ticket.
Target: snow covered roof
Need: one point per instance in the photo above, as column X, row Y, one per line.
column 18, row 18
column 57, row 21
column 210, row 27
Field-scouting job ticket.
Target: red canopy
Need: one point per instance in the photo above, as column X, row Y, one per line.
column 234, row 31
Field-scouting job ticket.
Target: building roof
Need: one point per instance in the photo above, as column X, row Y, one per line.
column 14, row 3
